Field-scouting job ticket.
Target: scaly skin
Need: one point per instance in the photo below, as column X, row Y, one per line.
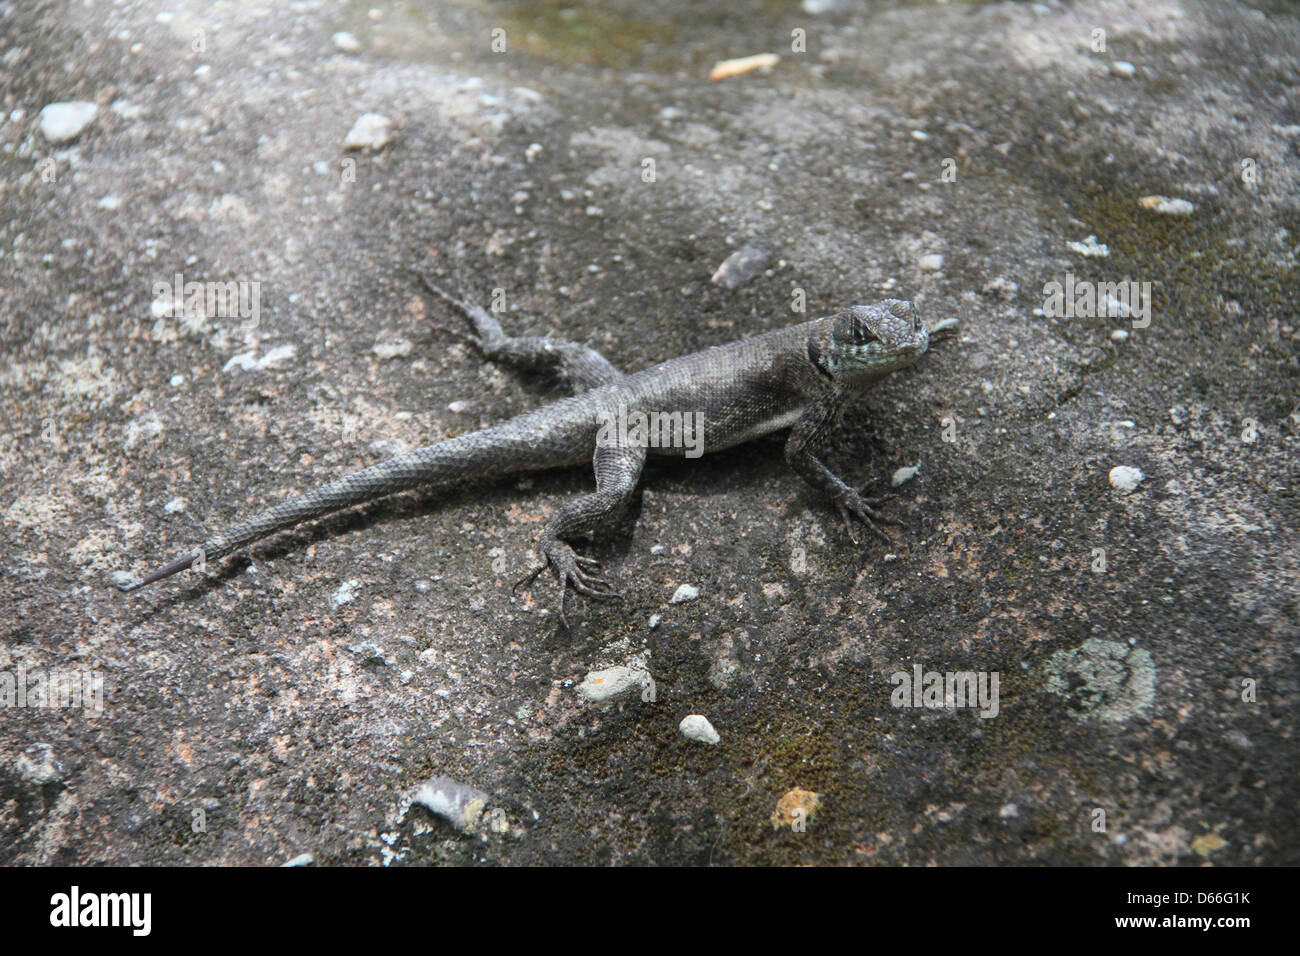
column 802, row 377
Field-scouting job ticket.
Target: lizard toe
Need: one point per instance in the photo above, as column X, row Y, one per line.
column 852, row 505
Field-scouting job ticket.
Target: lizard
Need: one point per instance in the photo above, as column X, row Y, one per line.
column 802, row 377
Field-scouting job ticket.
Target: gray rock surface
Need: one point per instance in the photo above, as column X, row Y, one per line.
column 240, row 726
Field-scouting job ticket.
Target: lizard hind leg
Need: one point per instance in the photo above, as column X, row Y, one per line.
column 581, row 366
column 618, row 469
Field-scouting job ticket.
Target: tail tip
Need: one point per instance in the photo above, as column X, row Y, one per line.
column 126, row 582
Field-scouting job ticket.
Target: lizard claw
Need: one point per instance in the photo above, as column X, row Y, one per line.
column 463, row 308
column 574, row 572
column 850, row 504
column 579, row 573
column 528, row 578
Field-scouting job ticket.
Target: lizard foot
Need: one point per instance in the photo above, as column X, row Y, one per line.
column 850, row 504
column 464, row 308
column 572, row 571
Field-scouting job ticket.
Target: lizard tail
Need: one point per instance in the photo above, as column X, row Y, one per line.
column 509, row 447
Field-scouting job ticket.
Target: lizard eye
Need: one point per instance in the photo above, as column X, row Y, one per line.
column 862, row 334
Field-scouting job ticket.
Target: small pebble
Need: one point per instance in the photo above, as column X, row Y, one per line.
column 1166, row 206
column 684, row 593
column 697, row 727
column 904, row 475
column 601, row 686
column 1125, row 478
column 371, row 131
column 1090, row 247
column 740, row 267
column 302, row 859
column 458, row 804
column 744, row 64
column 931, row 263
column 346, row 42
column 1119, row 335
column 63, row 122
column 1123, row 68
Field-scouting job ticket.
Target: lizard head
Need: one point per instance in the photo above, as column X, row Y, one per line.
column 872, row 340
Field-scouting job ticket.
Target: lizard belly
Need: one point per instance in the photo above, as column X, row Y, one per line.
column 719, row 435
column 773, row 423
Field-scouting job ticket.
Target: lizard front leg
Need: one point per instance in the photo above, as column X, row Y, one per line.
column 618, row 469
column 580, row 365
column 809, row 433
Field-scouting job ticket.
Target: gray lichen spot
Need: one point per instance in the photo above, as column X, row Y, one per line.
column 1103, row 680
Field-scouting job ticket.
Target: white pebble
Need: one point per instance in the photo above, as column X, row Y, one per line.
column 686, row 592
column 904, row 475
column 931, row 263
column 370, row 131
column 697, row 727
column 1123, row 68
column 604, row 685
column 741, row 266
column 1119, row 335
column 1125, row 478
column 1090, row 247
column 457, row 803
column 1166, row 206
column 63, row 122
column 346, row 42
column 248, row 361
